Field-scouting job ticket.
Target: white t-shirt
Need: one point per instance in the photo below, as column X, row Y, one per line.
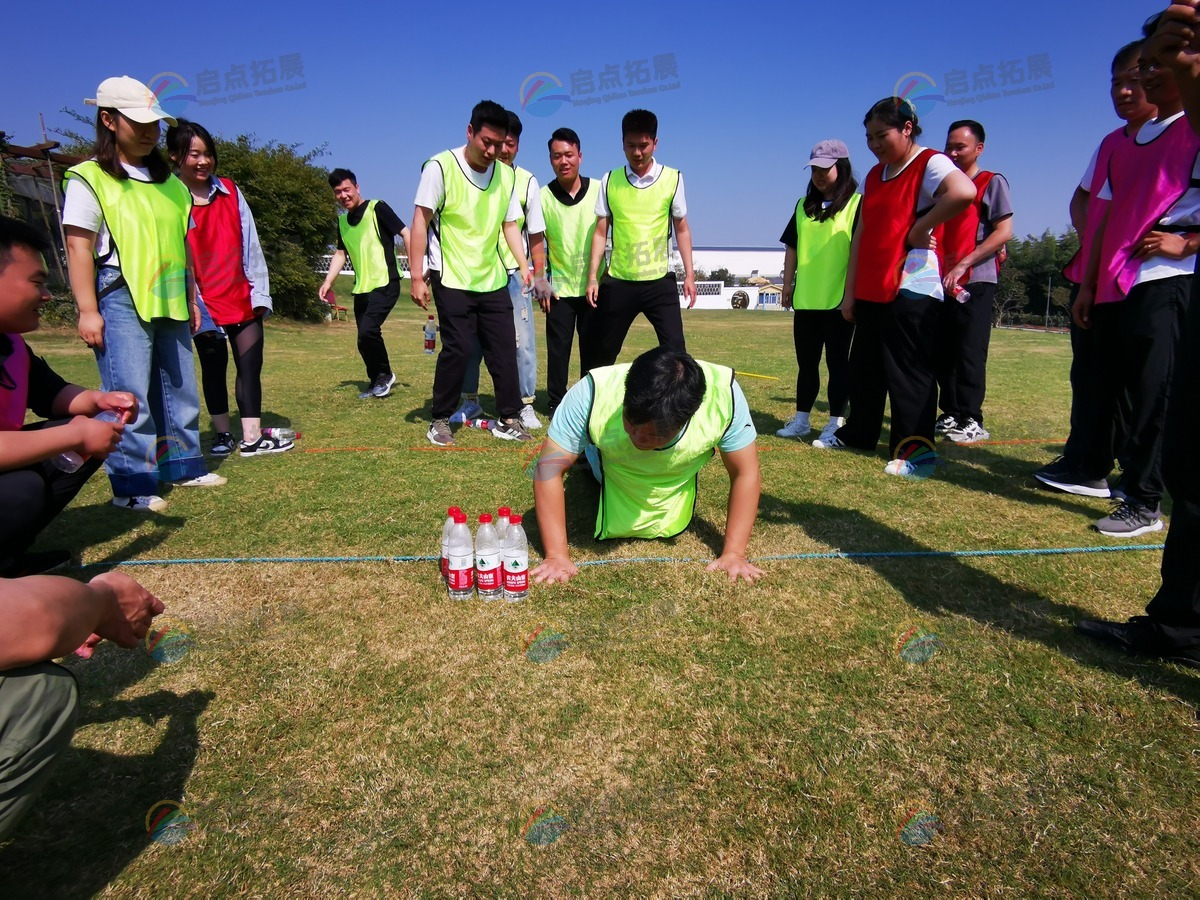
column 1184, row 214
column 678, row 202
column 82, row 209
column 936, row 171
column 431, row 194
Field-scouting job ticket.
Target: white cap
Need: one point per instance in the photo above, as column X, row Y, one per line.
column 131, row 99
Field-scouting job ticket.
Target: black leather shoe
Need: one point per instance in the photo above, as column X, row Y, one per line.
column 1137, row 637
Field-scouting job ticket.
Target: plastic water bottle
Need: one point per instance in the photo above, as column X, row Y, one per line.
column 281, row 434
column 446, row 541
column 485, row 424
column 502, row 515
column 515, row 564
column 430, row 335
column 460, row 572
column 961, row 294
column 70, row 461
column 487, row 560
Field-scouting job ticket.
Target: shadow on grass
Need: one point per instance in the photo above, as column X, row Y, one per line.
column 80, row 527
column 90, row 822
column 947, row 585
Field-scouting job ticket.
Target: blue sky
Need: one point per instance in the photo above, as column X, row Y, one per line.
column 387, row 85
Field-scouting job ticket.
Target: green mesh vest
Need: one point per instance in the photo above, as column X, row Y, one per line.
column 641, row 225
column 523, row 178
column 822, row 257
column 469, row 223
column 569, row 231
column 366, row 250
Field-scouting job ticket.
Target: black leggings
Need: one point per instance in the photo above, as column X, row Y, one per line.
column 247, row 342
column 814, row 330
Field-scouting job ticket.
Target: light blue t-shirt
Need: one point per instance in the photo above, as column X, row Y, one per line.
column 569, row 427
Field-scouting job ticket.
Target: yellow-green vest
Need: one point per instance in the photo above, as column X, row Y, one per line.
column 367, row 253
column 641, row 225
column 523, row 179
column 569, row 231
column 469, row 223
column 652, row 493
column 823, row 256
column 148, row 224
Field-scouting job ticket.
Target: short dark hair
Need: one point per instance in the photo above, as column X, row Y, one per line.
column 1131, row 51
column 1151, row 24
column 664, row 386
column 975, row 127
column 489, row 112
column 639, row 121
column 337, row 176
column 563, row 134
column 514, row 125
column 15, row 233
column 895, row 111
column 179, row 141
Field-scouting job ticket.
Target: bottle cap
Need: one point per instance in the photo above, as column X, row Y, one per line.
column 452, row 510
column 460, row 518
column 514, row 519
column 485, row 519
column 431, row 318
column 504, row 511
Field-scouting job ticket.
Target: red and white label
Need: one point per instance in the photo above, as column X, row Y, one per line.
column 487, row 572
column 516, row 573
column 460, row 573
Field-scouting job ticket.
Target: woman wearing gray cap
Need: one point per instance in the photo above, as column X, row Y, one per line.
column 126, row 218
column 814, row 279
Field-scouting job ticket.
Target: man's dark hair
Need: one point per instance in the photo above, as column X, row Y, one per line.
column 566, row 135
column 179, row 141
column 975, row 127
column 488, row 112
column 664, row 386
column 1130, row 53
column 894, row 112
column 514, row 125
column 15, row 233
column 639, row 121
column 337, row 176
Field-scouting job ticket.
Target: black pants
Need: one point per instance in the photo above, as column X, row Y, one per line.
column 1175, row 609
column 370, row 312
column 1083, row 393
column 1137, row 342
column 31, row 497
column 814, row 330
column 892, row 356
column 246, row 339
column 619, row 304
column 964, row 333
column 464, row 318
column 567, row 316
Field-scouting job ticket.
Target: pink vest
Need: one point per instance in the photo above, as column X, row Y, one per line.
column 1074, row 270
column 14, row 386
column 1146, row 181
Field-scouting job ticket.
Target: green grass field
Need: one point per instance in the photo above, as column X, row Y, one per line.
column 341, row 728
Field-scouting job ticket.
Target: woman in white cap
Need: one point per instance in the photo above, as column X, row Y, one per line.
column 814, row 278
column 126, row 219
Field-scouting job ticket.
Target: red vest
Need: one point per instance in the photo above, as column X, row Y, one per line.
column 14, row 386
column 1074, row 270
column 216, row 244
column 960, row 236
column 889, row 209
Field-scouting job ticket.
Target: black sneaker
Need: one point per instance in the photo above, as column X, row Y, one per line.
column 945, row 422
column 1056, row 469
column 1138, row 637
column 223, row 444
column 36, row 563
column 1071, row 482
column 383, row 385
column 510, row 430
column 1130, row 519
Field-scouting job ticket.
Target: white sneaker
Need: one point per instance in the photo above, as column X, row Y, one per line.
column 798, row 426
column 529, row 419
column 150, row 503
column 830, row 429
column 899, row 467
column 211, row 479
column 465, row 413
column 969, row 432
column 833, row 442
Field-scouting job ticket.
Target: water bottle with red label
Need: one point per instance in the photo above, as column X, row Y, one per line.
column 460, row 570
column 487, row 560
column 515, row 563
column 446, row 529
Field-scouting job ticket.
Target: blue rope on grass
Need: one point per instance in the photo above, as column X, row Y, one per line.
column 834, row 554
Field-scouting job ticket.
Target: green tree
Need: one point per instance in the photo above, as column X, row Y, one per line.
column 723, row 275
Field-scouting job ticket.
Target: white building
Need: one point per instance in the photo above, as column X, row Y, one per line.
column 743, row 262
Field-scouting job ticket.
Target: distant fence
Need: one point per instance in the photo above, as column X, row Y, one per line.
column 322, row 267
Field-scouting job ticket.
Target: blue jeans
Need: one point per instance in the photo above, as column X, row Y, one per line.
column 153, row 361
column 526, row 345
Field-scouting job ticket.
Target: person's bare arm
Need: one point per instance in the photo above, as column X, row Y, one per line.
column 745, row 488
column 1078, row 209
column 851, row 271
column 789, row 276
column 512, row 237
column 549, row 501
column 953, row 196
column 337, row 262
column 989, row 247
column 46, row 617
column 683, row 237
column 418, row 241
column 599, row 239
column 81, row 271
